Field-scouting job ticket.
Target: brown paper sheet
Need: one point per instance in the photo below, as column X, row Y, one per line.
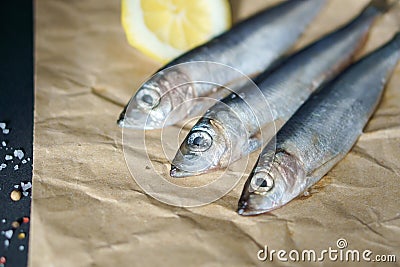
column 88, row 211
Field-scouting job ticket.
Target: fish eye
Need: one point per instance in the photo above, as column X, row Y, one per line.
column 262, row 183
column 199, row 141
column 148, row 98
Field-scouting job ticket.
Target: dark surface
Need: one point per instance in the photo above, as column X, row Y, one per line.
column 16, row 109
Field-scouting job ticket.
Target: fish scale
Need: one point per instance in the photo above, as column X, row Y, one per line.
column 318, row 63
column 321, row 132
column 285, row 90
column 358, row 104
column 251, row 46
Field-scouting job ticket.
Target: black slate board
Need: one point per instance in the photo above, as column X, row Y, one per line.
column 16, row 109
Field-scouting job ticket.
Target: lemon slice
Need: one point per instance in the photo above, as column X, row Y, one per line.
column 164, row 29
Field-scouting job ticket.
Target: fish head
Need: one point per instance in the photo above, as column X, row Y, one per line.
column 154, row 101
column 269, row 188
column 259, row 195
column 219, row 138
column 147, row 108
column 201, row 150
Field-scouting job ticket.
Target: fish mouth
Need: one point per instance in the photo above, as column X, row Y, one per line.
column 121, row 118
column 135, row 124
column 187, row 164
column 244, row 212
column 138, row 120
column 244, row 209
column 175, row 172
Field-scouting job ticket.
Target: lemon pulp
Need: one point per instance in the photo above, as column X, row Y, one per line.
column 163, row 29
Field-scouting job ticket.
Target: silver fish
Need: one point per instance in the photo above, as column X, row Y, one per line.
column 260, row 40
column 230, row 129
column 320, row 134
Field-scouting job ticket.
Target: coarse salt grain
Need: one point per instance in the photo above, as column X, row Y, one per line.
column 3, row 143
column 9, row 234
column 26, row 186
column 6, row 131
column 2, row 125
column 18, row 153
column 8, row 157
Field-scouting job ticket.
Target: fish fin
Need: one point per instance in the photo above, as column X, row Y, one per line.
column 322, row 170
column 254, row 143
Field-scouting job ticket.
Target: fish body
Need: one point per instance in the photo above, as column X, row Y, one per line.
column 230, row 129
column 320, row 134
column 250, row 46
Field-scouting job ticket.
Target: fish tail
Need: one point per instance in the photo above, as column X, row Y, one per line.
column 382, row 6
column 395, row 41
column 372, row 11
column 396, row 37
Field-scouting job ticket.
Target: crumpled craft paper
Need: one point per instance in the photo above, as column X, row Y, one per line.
column 88, row 211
